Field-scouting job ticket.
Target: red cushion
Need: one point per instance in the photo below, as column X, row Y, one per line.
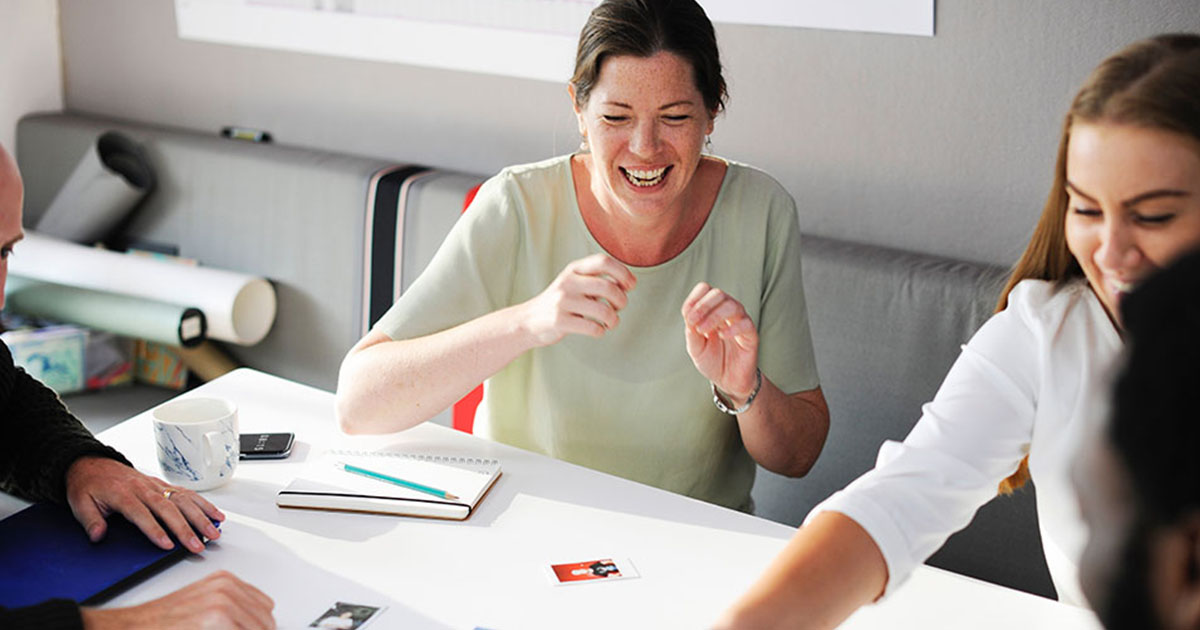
column 464, row 410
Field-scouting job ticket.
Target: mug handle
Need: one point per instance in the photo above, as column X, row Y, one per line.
column 212, row 442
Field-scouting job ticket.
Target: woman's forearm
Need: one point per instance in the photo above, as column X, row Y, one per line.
column 785, row 433
column 387, row 385
column 828, row 570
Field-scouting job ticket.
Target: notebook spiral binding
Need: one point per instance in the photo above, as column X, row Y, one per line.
column 425, row 457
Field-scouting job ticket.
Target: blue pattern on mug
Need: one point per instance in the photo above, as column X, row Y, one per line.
column 231, row 448
column 197, row 454
column 173, row 459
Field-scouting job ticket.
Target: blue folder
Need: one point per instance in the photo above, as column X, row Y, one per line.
column 45, row 554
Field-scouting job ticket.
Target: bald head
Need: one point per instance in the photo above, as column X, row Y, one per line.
column 12, row 196
column 9, row 175
column 12, row 192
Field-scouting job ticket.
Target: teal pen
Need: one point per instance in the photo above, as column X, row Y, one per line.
column 411, row 485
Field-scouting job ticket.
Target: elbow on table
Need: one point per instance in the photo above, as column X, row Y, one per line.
column 350, row 411
column 366, row 406
column 351, row 406
column 356, row 415
column 344, row 410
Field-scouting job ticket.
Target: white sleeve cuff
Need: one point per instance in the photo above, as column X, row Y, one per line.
column 880, row 527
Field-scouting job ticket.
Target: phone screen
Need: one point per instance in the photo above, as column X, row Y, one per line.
column 266, row 445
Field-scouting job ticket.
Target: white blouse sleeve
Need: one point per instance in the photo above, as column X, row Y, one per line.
column 969, row 438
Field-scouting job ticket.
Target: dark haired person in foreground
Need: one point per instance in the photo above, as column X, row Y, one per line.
column 1139, row 482
column 47, row 455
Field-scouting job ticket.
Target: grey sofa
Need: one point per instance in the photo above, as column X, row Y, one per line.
column 886, row 327
column 341, row 236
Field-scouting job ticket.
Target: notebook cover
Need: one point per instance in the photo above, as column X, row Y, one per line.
column 46, row 554
column 324, row 486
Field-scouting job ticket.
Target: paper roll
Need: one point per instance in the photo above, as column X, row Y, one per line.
column 110, row 179
column 240, row 308
column 207, row 361
column 120, row 314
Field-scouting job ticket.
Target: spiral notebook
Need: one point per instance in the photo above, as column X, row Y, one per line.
column 326, row 485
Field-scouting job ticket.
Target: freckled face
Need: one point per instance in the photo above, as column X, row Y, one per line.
column 645, row 122
column 12, row 195
column 1134, row 204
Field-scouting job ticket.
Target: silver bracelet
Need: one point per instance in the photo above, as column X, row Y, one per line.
column 733, row 412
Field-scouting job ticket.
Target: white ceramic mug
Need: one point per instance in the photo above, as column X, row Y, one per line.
column 197, row 441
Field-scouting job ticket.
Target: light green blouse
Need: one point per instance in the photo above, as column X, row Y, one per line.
column 630, row 403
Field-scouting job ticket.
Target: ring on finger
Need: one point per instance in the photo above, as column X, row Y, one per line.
column 167, row 493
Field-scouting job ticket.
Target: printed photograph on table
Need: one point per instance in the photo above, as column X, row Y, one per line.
column 606, row 569
column 345, row 616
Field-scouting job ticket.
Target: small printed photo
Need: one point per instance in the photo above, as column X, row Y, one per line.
column 344, row 616
column 604, row 569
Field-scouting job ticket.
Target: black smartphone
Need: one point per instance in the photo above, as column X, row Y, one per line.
column 266, row 445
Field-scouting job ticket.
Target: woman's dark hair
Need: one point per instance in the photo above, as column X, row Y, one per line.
column 1153, row 83
column 641, row 28
column 1155, row 426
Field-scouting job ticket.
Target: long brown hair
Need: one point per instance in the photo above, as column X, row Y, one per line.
column 1154, row 83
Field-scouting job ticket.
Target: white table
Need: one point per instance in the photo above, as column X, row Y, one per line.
column 694, row 558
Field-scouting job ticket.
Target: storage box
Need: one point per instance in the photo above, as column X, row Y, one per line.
column 108, row 360
column 53, row 355
column 160, row 365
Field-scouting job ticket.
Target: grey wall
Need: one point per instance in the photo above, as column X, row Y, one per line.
column 30, row 63
column 942, row 145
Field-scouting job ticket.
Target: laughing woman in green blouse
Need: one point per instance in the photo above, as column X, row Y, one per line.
column 564, row 283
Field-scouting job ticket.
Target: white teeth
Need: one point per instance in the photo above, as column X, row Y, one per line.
column 644, row 178
column 648, row 174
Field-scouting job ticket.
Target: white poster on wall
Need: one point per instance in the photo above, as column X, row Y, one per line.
column 902, row 17
column 525, row 38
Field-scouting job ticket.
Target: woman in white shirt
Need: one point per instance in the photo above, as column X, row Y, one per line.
column 1035, row 379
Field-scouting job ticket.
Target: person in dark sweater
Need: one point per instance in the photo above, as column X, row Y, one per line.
column 48, row 455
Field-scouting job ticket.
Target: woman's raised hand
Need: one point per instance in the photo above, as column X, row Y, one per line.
column 583, row 300
column 722, row 340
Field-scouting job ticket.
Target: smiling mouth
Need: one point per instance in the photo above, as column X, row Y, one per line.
column 1121, row 288
column 645, row 178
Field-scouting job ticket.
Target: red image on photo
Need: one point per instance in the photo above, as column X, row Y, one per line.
column 587, row 570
